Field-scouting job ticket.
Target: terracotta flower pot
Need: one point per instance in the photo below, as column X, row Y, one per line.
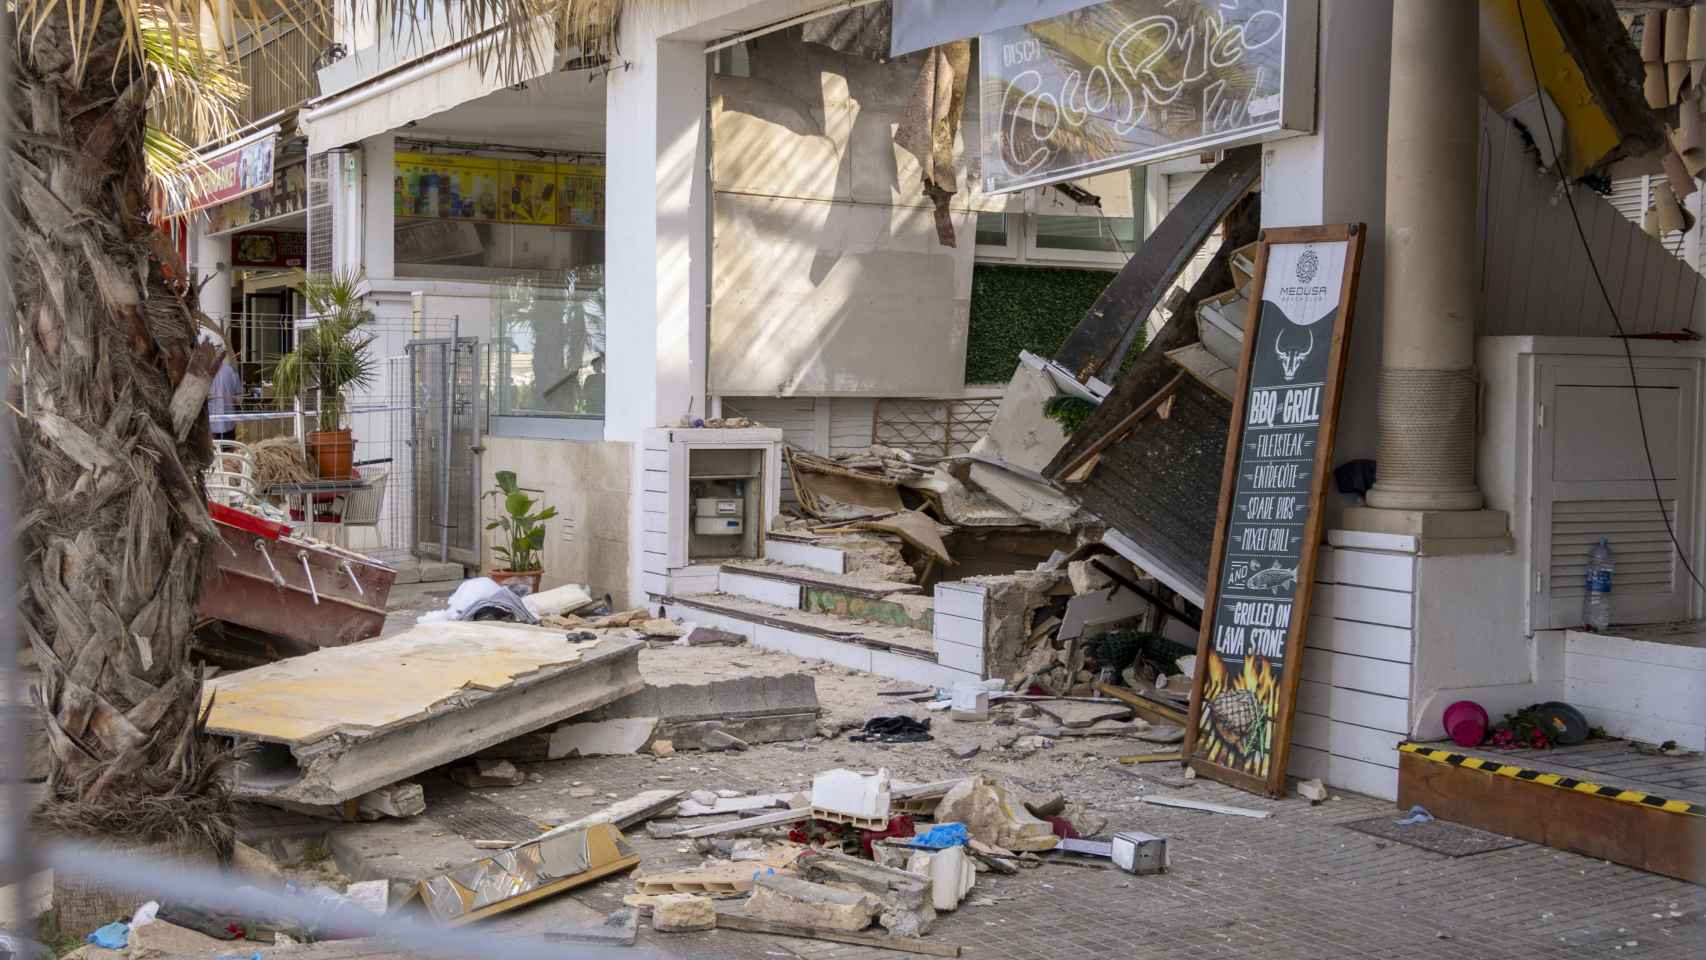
column 520, row 582
column 333, row 452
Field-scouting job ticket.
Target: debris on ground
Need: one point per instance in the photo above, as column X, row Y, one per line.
column 1312, row 790
column 682, row 913
column 488, row 773
column 895, row 729
column 481, row 598
column 992, row 817
column 849, row 797
column 1205, row 806
column 531, row 871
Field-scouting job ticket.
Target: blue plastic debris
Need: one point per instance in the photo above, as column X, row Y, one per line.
column 113, row 936
column 942, row 836
column 1418, row 814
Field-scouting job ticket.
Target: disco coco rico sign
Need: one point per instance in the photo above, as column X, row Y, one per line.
column 1135, row 81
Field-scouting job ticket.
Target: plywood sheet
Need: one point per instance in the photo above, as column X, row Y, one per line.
column 373, row 686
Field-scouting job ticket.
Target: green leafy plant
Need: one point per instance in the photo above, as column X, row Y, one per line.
column 331, row 356
column 1068, row 411
column 524, row 528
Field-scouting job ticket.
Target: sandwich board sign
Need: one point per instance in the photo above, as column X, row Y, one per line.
column 1278, row 464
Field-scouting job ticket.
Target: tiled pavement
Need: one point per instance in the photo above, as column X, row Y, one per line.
column 1294, row 885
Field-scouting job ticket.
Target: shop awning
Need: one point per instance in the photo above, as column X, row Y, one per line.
column 919, row 24
column 415, row 92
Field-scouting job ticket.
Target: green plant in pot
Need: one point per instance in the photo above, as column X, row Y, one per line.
column 330, row 359
column 524, row 529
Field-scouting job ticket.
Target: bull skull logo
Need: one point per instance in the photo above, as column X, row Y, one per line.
column 1291, row 353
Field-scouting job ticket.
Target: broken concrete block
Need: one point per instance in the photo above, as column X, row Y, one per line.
column 898, row 888
column 1312, row 790
column 488, row 773
column 1086, row 578
column 601, row 738
column 704, row 797
column 255, row 865
column 1051, row 806
column 705, row 636
column 662, row 748
column 990, row 816
column 405, row 799
column 683, row 913
column 803, row 903
column 970, row 702
column 721, row 740
column 162, row 939
column 661, row 628
column 852, row 795
column 950, row 871
column 965, row 752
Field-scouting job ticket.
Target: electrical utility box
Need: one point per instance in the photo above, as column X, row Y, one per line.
column 708, row 497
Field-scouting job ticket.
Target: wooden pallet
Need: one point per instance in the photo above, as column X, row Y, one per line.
column 863, row 823
column 721, row 877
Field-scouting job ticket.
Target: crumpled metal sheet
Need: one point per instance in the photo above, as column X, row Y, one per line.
column 468, row 890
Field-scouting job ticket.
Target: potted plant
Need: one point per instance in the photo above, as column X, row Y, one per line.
column 330, row 358
column 525, row 531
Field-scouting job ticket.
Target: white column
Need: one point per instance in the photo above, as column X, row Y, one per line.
column 212, row 262
column 1427, row 378
column 656, row 266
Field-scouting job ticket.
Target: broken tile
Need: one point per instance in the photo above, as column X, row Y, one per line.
column 682, row 913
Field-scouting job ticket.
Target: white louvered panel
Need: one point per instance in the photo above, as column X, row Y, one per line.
column 321, row 198
column 1629, row 196
column 1645, row 556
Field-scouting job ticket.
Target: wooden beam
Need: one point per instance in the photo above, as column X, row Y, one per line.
column 1146, row 708
column 1094, row 345
column 735, row 921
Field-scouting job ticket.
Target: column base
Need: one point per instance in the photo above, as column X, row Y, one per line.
column 1437, row 532
column 1389, row 495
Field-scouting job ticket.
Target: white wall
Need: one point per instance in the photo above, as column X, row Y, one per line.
column 656, row 267
column 1339, row 176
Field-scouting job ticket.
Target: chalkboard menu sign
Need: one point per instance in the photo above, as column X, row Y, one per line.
column 1278, row 465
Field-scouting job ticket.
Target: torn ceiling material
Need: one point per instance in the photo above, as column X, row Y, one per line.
column 335, row 724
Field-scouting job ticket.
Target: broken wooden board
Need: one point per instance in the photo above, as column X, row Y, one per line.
column 624, row 813
column 1097, row 343
column 915, row 528
column 736, row 921
column 340, row 722
column 526, row 873
column 1147, row 709
column 718, row 877
column 747, row 825
column 727, row 805
column 1076, row 716
column 1174, row 757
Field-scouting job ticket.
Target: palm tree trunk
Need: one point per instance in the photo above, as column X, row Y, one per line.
column 111, row 443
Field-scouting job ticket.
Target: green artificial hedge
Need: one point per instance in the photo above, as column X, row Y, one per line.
column 1024, row 308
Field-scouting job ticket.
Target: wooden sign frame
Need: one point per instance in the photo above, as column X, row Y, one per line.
column 1283, row 690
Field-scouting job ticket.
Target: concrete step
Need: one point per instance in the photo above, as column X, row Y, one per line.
column 801, row 552
column 841, row 595
column 903, row 653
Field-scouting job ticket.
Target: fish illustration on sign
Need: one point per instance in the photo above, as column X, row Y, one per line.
column 1275, row 578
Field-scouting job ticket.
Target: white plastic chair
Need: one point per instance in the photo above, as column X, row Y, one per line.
column 230, row 477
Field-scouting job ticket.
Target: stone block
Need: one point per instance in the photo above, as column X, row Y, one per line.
column 682, row 913
column 802, row 903
column 991, row 816
column 907, row 909
column 162, row 939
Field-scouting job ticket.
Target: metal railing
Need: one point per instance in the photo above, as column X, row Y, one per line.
column 277, row 62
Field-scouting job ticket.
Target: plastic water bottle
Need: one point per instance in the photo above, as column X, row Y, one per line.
column 1596, row 602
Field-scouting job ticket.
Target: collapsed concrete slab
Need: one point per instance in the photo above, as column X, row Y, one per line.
column 753, row 709
column 337, row 723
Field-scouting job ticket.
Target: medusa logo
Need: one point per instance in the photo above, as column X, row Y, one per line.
column 1307, row 265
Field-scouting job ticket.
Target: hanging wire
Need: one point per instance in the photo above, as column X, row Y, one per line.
column 1622, row 334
